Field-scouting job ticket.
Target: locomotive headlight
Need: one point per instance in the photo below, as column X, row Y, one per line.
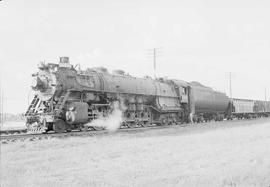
column 44, row 83
column 40, row 83
column 34, row 83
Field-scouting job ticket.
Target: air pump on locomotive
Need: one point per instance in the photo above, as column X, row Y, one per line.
column 67, row 98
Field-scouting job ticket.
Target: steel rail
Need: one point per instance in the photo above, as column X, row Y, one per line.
column 40, row 136
column 80, row 133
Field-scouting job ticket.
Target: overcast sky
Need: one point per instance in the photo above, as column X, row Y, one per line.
column 199, row 40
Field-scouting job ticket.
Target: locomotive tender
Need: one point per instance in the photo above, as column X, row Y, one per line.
column 67, row 98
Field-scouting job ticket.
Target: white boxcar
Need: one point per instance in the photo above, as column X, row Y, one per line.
column 242, row 106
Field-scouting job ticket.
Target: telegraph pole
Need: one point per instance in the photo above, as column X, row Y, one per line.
column 231, row 102
column 1, row 104
column 265, row 99
column 154, row 53
column 2, row 109
column 265, row 95
column 154, row 57
column 1, row 124
column 230, row 84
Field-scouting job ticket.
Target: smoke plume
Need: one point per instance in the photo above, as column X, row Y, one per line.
column 113, row 121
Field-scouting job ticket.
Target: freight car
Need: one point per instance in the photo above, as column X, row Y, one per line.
column 67, row 98
column 242, row 108
column 246, row 109
column 261, row 107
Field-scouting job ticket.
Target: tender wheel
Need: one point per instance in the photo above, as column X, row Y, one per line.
column 59, row 126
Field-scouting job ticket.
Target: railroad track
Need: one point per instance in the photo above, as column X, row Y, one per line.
column 21, row 135
column 12, row 131
column 25, row 136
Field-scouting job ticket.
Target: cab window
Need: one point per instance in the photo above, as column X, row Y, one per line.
column 184, row 91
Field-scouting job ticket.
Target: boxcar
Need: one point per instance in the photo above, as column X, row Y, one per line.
column 242, row 106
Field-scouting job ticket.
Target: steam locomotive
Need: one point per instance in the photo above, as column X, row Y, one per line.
column 67, row 98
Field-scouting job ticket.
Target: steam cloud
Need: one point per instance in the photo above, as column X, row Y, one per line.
column 111, row 122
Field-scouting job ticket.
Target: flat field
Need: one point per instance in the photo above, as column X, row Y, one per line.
column 217, row 154
column 10, row 125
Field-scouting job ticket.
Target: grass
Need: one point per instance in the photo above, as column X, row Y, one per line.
column 238, row 156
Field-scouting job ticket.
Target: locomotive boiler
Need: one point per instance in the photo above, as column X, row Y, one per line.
column 67, row 98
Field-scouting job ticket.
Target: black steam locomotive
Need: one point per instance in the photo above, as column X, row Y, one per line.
column 67, row 98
